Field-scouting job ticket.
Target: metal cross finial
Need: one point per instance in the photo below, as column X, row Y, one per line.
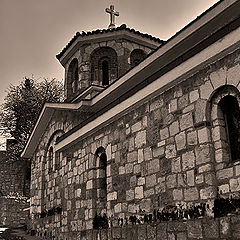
column 112, row 16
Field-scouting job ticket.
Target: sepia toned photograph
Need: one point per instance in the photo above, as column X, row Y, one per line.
column 119, row 120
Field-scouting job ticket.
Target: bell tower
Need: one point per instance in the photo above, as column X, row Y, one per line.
column 94, row 60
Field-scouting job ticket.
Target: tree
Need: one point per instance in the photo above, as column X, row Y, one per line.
column 21, row 108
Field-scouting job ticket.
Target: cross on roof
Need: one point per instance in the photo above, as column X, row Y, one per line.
column 112, row 16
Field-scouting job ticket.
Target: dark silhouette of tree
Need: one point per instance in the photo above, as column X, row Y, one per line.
column 21, row 108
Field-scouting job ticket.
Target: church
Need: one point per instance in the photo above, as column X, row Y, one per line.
column 146, row 144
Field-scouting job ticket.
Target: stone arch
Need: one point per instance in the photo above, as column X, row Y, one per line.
column 101, row 187
column 136, row 56
column 72, row 78
column 104, row 66
column 225, row 119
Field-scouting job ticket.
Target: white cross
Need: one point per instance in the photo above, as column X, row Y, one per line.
column 112, row 16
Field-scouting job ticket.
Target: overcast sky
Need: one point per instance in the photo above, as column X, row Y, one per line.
column 32, row 32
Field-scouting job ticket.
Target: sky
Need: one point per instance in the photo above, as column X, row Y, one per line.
column 32, row 32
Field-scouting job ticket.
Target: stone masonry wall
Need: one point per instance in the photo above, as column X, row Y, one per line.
column 221, row 228
column 14, row 187
column 165, row 152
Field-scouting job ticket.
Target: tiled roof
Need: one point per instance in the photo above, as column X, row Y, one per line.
column 101, row 31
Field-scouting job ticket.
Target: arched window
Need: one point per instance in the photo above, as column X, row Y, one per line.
column 104, row 66
column 137, row 55
column 72, row 78
column 225, row 118
column 231, row 115
column 102, row 178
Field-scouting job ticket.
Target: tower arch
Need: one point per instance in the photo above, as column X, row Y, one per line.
column 104, row 66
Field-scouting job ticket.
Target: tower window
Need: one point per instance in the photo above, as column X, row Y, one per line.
column 105, row 73
column 137, row 55
column 231, row 115
column 104, row 66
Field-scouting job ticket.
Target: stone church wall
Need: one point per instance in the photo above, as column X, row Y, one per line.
column 169, row 151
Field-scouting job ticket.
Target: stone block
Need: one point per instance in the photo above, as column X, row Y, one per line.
column 141, row 181
column 190, row 178
column 153, row 166
column 164, row 133
column 121, row 170
column 129, row 195
column 171, row 181
column 225, row 230
column 132, row 156
column 170, row 151
column 140, row 139
column 234, row 184
column 116, row 233
column 133, row 208
column 210, row 178
column 174, row 128
column 203, row 135
column 148, row 193
column 173, row 105
column 171, row 236
column 139, row 192
column 188, row 160
column 223, row 188
column 183, row 101
column 194, row 229
column 211, row 228
column 158, row 151
column 182, row 179
column 235, row 226
column 156, row 104
column 147, row 153
column 151, row 232
column 176, row 165
column 118, row 208
column 205, row 168
column 145, row 205
column 177, row 226
column 203, row 154
column 218, row 77
column 129, row 168
column 181, row 236
column 142, row 232
column 208, row 193
column 199, row 179
column 206, row 90
column 180, row 140
column 233, row 75
column 151, row 180
column 193, row 96
column 186, row 121
column 192, row 138
column 225, row 173
column 162, row 231
column 177, row 194
column 130, row 145
column 112, row 196
column 136, row 127
column 237, row 170
column 191, row 194
column 140, row 155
